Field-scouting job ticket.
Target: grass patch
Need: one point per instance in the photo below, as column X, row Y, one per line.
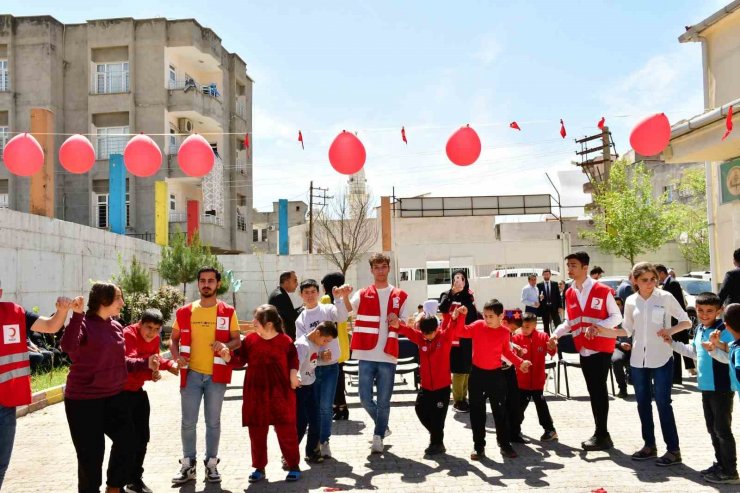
column 47, row 380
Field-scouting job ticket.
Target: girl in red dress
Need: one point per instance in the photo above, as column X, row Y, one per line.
column 269, row 396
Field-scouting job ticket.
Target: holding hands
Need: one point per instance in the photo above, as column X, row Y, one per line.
column 154, row 363
column 78, row 304
column 393, row 321
column 63, row 304
column 525, row 366
column 342, row 291
column 460, row 310
column 665, row 334
column 552, row 343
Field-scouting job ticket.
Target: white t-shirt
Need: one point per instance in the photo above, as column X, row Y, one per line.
column 377, row 353
column 309, row 319
column 308, row 357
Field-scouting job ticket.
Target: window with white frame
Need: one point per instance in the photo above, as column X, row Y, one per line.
column 111, row 77
column 4, row 137
column 172, row 77
column 4, row 80
column 101, row 210
column 111, row 140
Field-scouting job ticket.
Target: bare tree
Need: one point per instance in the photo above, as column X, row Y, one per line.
column 344, row 230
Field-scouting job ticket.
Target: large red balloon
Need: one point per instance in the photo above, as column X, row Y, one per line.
column 23, row 155
column 142, row 156
column 463, row 147
column 195, row 156
column 347, row 154
column 652, row 135
column 77, row 154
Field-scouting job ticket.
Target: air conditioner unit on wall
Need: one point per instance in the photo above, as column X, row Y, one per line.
column 185, row 125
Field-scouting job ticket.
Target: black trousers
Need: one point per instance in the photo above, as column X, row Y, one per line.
column 339, row 398
column 513, row 406
column 595, row 370
column 550, row 314
column 718, row 416
column 621, row 365
column 543, row 412
column 90, row 421
column 431, row 409
column 138, row 402
column 488, row 385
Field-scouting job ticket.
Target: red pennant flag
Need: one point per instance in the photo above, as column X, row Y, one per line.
column 300, row 139
column 562, row 129
column 246, row 141
column 728, row 123
column 601, row 123
column 403, row 135
column 514, row 125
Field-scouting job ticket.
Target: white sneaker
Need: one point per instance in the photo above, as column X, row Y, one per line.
column 187, row 471
column 325, row 450
column 387, row 432
column 212, row 475
column 377, row 447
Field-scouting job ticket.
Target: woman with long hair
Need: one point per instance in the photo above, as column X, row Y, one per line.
column 461, row 355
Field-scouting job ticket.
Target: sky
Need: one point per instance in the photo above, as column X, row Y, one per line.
column 432, row 66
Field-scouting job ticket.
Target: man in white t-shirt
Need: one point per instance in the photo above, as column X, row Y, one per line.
column 375, row 343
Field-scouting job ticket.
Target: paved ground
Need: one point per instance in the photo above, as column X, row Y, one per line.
column 44, row 459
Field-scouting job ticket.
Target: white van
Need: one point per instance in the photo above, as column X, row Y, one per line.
column 521, row 272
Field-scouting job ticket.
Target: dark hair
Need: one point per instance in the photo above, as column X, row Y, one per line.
column 285, row 276
column 617, row 298
column 101, row 294
column 265, row 314
column 379, row 258
column 428, row 324
column 209, row 269
column 330, row 281
column 309, row 283
column 546, row 269
column 736, row 255
column 710, row 299
column 152, row 315
column 661, row 268
column 328, row 328
column 531, row 276
column 582, row 257
column 529, row 317
column 495, row 306
column 596, row 270
column 420, row 307
column 465, row 296
column 732, row 316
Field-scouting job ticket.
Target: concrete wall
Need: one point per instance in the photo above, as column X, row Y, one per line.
column 724, row 59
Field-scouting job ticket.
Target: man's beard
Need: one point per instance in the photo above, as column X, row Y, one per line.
column 208, row 295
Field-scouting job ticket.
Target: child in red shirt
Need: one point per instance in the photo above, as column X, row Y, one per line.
column 536, row 345
column 434, row 344
column 491, row 341
column 142, row 343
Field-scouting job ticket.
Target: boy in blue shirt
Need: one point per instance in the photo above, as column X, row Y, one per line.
column 715, row 385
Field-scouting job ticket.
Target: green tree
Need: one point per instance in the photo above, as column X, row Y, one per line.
column 628, row 220
column 691, row 216
column 135, row 278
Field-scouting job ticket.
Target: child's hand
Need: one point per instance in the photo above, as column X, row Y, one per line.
column 552, row 343
column 665, row 334
column 625, row 346
column 156, row 377
column 708, row 345
column 225, row 354
column 326, row 354
column 714, row 337
column 154, row 362
column 174, row 370
column 78, row 304
column 525, row 366
column 393, row 321
column 182, row 361
column 294, row 381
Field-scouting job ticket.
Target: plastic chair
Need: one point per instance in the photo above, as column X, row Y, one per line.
column 566, row 346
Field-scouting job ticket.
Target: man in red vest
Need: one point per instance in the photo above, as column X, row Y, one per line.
column 204, row 332
column 592, row 317
column 375, row 343
column 15, row 369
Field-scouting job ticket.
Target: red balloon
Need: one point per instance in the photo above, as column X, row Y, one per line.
column 195, row 156
column 652, row 135
column 77, row 154
column 463, row 147
column 23, row 155
column 347, row 154
column 142, row 156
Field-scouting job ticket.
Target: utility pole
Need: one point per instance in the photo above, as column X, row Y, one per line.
column 312, row 196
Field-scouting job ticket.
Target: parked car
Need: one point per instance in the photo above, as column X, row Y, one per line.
column 700, row 274
column 612, row 281
column 692, row 287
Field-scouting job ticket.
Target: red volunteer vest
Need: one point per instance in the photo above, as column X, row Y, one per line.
column 15, row 369
column 224, row 313
column 367, row 322
column 594, row 313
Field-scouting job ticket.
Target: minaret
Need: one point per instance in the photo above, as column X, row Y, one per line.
column 357, row 190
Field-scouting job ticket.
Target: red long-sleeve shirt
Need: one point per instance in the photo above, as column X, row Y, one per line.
column 138, row 352
column 489, row 344
column 434, row 355
column 536, row 346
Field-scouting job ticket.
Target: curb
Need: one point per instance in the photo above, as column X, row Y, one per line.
column 41, row 399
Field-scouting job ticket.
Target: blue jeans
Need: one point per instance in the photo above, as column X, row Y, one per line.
column 201, row 387
column 7, row 436
column 382, row 375
column 307, row 416
column 659, row 380
column 326, row 386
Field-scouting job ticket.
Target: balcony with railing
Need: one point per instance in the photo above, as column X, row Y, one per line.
column 189, row 95
column 211, row 230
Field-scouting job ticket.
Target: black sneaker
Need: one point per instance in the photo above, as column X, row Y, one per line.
column 435, row 449
column 212, row 475
column 711, row 469
column 598, row 443
column 137, row 487
column 518, row 439
column 315, row 458
column 549, row 436
column 718, row 477
column 464, row 406
column 622, row 394
column 508, row 452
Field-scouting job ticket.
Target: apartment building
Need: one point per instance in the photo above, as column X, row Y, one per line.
column 112, row 77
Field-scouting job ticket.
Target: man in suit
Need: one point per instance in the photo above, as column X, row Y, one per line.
column 730, row 290
column 549, row 301
column 669, row 284
column 280, row 299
